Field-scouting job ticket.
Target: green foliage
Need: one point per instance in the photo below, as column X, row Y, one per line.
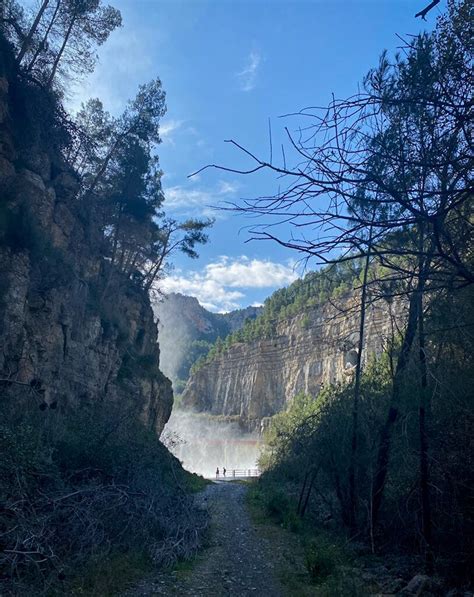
column 121, row 172
column 305, row 322
column 278, row 506
column 313, row 290
column 295, row 425
column 178, row 387
column 322, row 558
column 59, row 40
column 196, row 483
column 268, row 500
column 323, row 554
column 313, row 438
column 105, row 576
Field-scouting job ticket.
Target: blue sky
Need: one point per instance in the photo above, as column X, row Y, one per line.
column 227, row 67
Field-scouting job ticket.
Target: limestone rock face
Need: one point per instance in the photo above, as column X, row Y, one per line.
column 254, row 380
column 182, row 321
column 60, row 333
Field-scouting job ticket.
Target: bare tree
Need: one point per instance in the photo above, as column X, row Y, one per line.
column 402, row 148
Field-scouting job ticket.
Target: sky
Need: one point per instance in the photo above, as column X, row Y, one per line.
column 229, row 68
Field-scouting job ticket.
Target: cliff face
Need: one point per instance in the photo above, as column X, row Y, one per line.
column 70, row 329
column 183, row 323
column 254, row 380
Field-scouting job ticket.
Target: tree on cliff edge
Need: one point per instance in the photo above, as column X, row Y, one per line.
column 58, row 40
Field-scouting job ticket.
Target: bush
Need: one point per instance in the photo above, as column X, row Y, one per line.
column 84, row 486
column 278, row 506
column 321, row 558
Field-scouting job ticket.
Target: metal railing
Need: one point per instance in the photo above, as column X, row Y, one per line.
column 238, row 473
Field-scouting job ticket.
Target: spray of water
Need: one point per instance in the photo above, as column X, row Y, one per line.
column 203, row 444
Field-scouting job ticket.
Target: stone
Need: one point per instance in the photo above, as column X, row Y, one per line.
column 7, row 170
column 4, row 85
column 419, row 583
column 34, row 179
column 65, row 184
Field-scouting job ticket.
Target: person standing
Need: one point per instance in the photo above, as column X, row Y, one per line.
column 224, row 471
column 217, row 472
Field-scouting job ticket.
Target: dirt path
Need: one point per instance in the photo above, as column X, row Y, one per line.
column 237, row 561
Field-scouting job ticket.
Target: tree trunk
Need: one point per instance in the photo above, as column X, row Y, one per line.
column 383, row 457
column 308, row 494
column 167, row 249
column 300, row 501
column 424, row 467
column 60, row 53
column 32, row 31
column 107, row 159
column 356, row 399
column 42, row 45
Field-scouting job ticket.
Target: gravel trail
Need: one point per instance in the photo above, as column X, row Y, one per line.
column 236, row 562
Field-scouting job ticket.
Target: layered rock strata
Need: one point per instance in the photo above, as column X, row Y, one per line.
column 254, row 380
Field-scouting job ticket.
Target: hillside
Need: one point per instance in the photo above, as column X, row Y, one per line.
column 188, row 331
column 256, row 377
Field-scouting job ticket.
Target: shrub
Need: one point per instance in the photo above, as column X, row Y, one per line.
column 85, row 485
column 278, row 506
column 322, row 558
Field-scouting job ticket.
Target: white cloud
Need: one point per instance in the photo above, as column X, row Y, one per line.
column 209, row 293
column 191, row 200
column 250, row 273
column 182, row 197
column 248, row 75
column 167, row 129
column 227, row 188
column 220, row 286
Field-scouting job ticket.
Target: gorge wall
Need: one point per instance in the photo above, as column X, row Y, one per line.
column 71, row 329
column 187, row 330
column 254, row 380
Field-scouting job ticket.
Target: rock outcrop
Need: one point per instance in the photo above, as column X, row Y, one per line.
column 184, row 323
column 67, row 332
column 256, row 379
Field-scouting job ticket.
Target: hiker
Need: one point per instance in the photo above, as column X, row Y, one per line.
column 217, row 472
column 224, row 471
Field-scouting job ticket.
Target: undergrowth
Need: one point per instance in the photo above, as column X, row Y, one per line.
column 325, row 564
column 90, row 500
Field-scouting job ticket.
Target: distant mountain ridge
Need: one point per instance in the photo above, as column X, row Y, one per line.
column 188, row 330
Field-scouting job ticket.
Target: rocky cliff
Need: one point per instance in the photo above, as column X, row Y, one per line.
column 254, row 380
column 70, row 328
column 187, row 330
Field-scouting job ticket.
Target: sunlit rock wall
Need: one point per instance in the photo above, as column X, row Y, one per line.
column 63, row 337
column 254, row 380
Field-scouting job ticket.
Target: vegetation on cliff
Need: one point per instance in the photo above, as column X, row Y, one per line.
column 314, row 290
column 86, row 487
